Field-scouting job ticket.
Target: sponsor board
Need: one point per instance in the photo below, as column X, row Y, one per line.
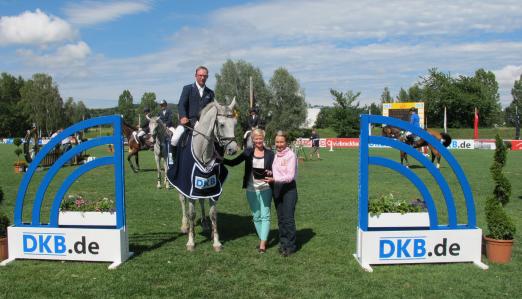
column 516, row 145
column 342, row 142
column 462, row 144
column 419, row 246
column 485, row 144
column 103, row 245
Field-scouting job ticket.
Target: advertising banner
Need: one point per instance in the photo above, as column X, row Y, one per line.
column 516, row 145
column 462, row 144
column 419, row 246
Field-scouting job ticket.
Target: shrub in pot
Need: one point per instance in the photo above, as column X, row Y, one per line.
column 501, row 229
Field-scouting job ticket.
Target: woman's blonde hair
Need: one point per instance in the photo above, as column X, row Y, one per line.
column 258, row 132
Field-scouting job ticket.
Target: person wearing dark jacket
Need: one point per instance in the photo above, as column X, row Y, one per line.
column 194, row 97
column 258, row 167
column 165, row 114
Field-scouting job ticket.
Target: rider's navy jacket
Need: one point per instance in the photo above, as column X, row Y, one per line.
column 247, row 155
column 190, row 103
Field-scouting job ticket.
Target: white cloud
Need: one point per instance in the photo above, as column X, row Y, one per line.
column 34, row 28
column 70, row 55
column 507, row 76
column 353, row 20
column 94, row 12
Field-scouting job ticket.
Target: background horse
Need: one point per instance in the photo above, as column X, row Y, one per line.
column 160, row 135
column 396, row 133
column 134, row 146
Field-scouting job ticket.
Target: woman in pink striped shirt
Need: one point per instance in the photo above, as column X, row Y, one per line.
column 284, row 170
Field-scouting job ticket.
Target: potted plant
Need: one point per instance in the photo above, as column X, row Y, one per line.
column 501, row 229
column 18, row 165
column 4, row 223
column 387, row 211
column 77, row 210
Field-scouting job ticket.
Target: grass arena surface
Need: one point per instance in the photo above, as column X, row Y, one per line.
column 326, row 217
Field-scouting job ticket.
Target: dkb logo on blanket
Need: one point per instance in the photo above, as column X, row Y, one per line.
column 205, row 183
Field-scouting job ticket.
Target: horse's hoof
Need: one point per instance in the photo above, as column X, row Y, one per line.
column 190, row 248
column 218, row 248
column 184, row 230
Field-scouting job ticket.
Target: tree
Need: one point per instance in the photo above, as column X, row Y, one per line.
column 13, row 122
column 287, row 105
column 148, row 100
column 325, row 118
column 403, row 96
column 346, row 113
column 516, row 104
column 385, row 96
column 415, row 93
column 126, row 108
column 233, row 80
column 461, row 96
column 42, row 103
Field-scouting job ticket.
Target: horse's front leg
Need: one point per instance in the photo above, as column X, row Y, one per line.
column 184, row 220
column 158, row 171
column 137, row 160
column 129, row 156
column 213, row 217
column 166, row 181
column 205, row 222
column 191, row 217
column 435, row 155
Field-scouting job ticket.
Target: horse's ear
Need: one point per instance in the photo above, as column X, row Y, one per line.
column 232, row 104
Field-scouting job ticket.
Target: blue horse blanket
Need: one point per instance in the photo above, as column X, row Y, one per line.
column 193, row 179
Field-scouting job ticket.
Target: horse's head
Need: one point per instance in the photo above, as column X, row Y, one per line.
column 392, row 132
column 154, row 123
column 224, row 128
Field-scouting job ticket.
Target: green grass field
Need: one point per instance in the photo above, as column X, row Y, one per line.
column 326, row 219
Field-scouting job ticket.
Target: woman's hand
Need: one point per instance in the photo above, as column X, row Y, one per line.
column 269, row 180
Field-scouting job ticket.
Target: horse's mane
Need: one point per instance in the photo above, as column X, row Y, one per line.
column 128, row 125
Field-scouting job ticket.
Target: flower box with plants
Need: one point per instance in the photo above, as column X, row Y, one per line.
column 501, row 229
column 387, row 211
column 19, row 166
column 4, row 223
column 77, row 210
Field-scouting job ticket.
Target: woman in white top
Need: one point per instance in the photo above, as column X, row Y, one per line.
column 258, row 167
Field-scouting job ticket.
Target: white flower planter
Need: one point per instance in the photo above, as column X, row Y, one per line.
column 87, row 218
column 399, row 220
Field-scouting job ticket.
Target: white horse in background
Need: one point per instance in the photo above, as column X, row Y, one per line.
column 159, row 132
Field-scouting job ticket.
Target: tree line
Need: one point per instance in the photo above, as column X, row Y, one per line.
column 280, row 102
column 460, row 95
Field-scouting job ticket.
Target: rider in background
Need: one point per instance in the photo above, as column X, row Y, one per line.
column 253, row 122
column 415, row 121
column 193, row 99
column 165, row 114
column 315, row 144
column 144, row 128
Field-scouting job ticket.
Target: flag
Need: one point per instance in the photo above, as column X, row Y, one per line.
column 445, row 121
column 475, row 125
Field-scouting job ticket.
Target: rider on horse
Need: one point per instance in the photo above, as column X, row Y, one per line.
column 144, row 129
column 193, row 99
column 253, row 122
column 415, row 121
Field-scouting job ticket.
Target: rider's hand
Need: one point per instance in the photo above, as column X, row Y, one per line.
column 183, row 120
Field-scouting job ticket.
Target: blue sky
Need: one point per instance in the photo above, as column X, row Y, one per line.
column 96, row 49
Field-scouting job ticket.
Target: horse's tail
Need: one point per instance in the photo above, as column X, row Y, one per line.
column 446, row 139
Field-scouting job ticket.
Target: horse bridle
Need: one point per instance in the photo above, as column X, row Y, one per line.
column 221, row 140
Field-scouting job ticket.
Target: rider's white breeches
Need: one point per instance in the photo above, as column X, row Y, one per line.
column 177, row 135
